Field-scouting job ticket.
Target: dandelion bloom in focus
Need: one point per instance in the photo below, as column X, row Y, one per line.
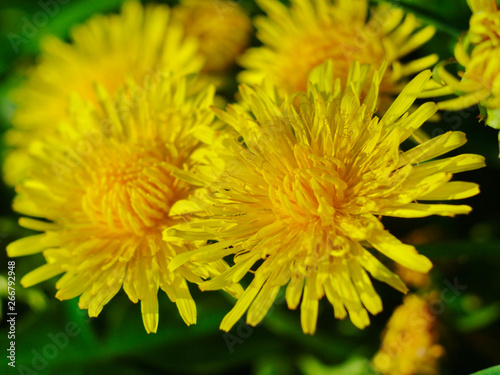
column 410, row 342
column 301, row 37
column 478, row 52
column 296, row 190
column 102, row 192
column 221, row 28
column 139, row 43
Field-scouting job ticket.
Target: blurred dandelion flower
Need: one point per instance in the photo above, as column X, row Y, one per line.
column 300, row 184
column 299, row 38
column 478, row 52
column 139, row 43
column 484, row 23
column 221, row 28
column 105, row 189
column 410, row 341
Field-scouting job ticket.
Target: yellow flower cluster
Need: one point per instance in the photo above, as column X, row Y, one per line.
column 141, row 43
column 301, row 181
column 106, row 186
column 409, row 344
column 118, row 160
column 478, row 52
column 99, row 125
column 138, row 44
column 221, row 28
column 299, row 38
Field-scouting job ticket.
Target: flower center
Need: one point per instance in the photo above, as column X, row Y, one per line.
column 312, row 192
column 132, row 189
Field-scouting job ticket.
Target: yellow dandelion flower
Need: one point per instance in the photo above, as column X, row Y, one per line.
column 104, row 188
column 484, row 23
column 299, row 38
column 221, row 27
column 478, row 52
column 409, row 344
column 138, row 43
column 301, row 184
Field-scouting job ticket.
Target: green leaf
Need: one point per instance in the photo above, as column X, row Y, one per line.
column 76, row 12
column 274, row 365
column 353, row 366
column 479, row 319
column 490, row 371
column 26, row 35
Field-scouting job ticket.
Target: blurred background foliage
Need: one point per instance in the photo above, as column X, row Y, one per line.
column 466, row 249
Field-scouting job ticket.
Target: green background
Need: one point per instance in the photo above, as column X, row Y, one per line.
column 116, row 343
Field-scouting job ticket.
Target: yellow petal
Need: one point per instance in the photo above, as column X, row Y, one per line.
column 364, row 286
column 482, row 5
column 414, row 210
column 262, row 303
column 406, row 98
column 149, row 311
column 452, row 190
column 242, row 305
column 40, row 274
column 432, row 148
column 185, row 302
column 27, row 246
column 381, row 272
column 309, row 306
column 406, row 255
column 294, row 291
